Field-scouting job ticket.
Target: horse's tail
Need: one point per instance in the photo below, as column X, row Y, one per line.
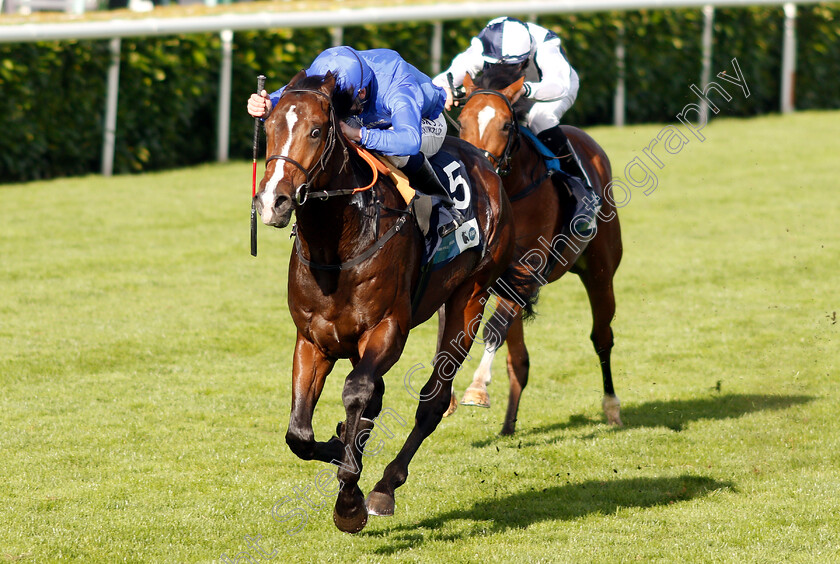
column 518, row 284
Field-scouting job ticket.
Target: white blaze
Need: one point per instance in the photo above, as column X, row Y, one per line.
column 268, row 196
column 484, row 118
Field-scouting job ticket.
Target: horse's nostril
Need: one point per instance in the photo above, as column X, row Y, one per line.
column 281, row 199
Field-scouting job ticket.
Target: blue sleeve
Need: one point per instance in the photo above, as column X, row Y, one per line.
column 402, row 139
column 404, row 136
column 275, row 96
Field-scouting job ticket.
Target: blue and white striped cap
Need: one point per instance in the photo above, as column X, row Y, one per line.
column 506, row 40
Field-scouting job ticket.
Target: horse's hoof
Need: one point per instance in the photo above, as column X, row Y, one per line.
column 612, row 409
column 476, row 397
column 353, row 523
column 380, row 504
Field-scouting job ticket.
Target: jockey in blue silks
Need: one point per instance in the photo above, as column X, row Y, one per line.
column 399, row 113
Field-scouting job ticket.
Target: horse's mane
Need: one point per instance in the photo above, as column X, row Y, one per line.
column 313, row 82
column 498, row 77
column 341, row 99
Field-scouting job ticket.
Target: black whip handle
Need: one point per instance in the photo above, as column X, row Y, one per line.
column 260, row 87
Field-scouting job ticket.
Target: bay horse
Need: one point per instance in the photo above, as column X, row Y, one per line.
column 353, row 274
column 545, row 247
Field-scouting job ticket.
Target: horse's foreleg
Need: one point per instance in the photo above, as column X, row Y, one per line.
column 362, row 396
column 309, row 372
column 518, row 364
column 494, row 334
column 458, row 336
column 599, row 289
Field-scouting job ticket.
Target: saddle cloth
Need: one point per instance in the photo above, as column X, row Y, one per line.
column 453, row 176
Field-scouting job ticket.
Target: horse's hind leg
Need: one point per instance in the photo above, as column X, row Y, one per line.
column 494, row 335
column 457, row 338
column 599, row 289
column 518, row 364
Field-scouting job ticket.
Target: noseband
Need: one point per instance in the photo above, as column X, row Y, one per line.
column 302, row 190
column 502, row 162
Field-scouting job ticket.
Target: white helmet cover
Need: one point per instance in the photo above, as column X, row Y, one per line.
column 506, row 40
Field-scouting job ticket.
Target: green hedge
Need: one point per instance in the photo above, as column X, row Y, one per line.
column 52, row 94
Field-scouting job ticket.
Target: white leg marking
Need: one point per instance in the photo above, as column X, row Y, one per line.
column 476, row 393
column 484, row 118
column 268, row 196
column 485, row 366
column 612, row 409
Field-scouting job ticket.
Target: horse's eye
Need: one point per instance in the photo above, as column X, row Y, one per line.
column 507, row 127
column 316, row 133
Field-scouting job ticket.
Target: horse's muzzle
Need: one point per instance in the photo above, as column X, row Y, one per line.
column 279, row 214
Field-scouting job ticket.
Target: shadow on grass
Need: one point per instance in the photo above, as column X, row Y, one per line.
column 673, row 414
column 568, row 502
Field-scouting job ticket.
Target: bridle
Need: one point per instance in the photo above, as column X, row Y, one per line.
column 501, row 162
column 302, row 192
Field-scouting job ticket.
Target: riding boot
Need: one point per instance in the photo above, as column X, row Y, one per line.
column 423, row 179
column 587, row 202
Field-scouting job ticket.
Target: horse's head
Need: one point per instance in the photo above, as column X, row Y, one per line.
column 487, row 119
column 300, row 135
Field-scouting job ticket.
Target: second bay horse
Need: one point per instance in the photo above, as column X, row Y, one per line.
column 546, row 248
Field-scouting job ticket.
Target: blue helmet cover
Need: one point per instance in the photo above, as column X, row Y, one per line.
column 352, row 73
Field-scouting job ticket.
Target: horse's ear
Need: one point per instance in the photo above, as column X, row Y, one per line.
column 513, row 91
column 298, row 77
column 469, row 85
column 328, row 85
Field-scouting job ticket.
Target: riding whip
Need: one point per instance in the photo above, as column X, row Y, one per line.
column 457, row 94
column 260, row 86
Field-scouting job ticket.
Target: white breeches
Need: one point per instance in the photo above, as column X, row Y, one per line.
column 432, row 135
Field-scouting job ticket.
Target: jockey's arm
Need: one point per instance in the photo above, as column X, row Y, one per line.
column 403, row 138
column 470, row 61
column 555, row 82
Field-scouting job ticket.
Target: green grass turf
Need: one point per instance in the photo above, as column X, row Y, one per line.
column 145, row 360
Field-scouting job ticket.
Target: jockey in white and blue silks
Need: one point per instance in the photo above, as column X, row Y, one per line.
column 550, row 89
column 399, row 112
